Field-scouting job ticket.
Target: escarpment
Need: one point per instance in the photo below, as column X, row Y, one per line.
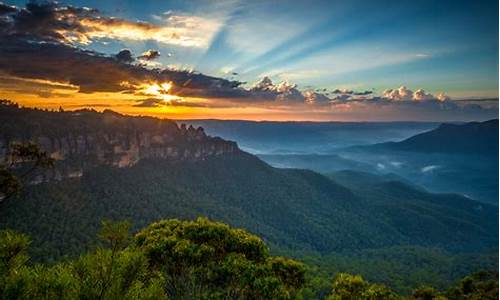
column 79, row 140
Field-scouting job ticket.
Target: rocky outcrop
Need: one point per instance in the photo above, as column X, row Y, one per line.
column 85, row 139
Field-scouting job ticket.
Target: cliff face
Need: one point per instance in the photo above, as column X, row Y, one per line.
column 85, row 139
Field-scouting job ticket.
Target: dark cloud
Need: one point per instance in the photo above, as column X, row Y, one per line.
column 7, row 9
column 125, row 56
column 156, row 102
column 49, row 21
column 94, row 72
column 88, row 70
column 364, row 93
column 342, row 97
column 312, row 97
column 33, row 47
column 149, row 102
column 46, row 21
column 149, row 55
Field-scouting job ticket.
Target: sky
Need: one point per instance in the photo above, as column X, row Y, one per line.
column 256, row 60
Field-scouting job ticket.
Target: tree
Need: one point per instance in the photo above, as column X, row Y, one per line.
column 117, row 272
column 202, row 259
column 21, row 161
column 480, row 285
column 354, row 287
column 427, row 293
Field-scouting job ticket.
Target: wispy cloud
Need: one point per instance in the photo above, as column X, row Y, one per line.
column 430, row 168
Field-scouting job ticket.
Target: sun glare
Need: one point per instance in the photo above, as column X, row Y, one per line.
column 159, row 90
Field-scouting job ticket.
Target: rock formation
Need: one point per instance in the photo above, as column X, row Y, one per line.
column 84, row 139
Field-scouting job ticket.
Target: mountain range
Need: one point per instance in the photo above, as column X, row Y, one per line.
column 145, row 169
column 469, row 138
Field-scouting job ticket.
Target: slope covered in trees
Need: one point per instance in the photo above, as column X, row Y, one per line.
column 292, row 209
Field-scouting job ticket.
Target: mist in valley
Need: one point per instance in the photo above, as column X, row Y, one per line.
column 329, row 147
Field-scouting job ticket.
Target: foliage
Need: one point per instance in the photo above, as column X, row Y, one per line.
column 404, row 267
column 199, row 259
column 21, row 161
column 480, row 285
column 354, row 287
column 203, row 259
column 169, row 259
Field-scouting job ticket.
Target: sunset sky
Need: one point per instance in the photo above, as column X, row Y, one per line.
column 258, row 60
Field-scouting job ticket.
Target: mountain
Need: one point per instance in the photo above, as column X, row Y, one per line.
column 267, row 137
column 453, row 158
column 83, row 139
column 469, row 138
column 295, row 211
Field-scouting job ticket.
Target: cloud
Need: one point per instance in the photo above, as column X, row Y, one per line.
column 405, row 94
column 312, row 97
column 283, row 91
column 364, row 93
column 443, row 97
column 396, row 164
column 150, row 102
column 149, row 55
column 52, row 22
column 420, row 94
column 6, row 9
column 430, row 168
column 42, row 43
column 125, row 56
column 90, row 71
column 401, row 93
column 346, row 94
column 156, row 102
column 343, row 91
column 342, row 97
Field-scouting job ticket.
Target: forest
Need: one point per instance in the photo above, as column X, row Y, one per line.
column 200, row 259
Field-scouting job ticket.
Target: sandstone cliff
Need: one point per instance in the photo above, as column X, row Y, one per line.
column 84, row 139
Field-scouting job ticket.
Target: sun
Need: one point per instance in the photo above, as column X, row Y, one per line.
column 160, row 90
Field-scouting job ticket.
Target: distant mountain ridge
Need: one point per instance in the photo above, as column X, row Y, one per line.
column 468, row 138
column 302, row 137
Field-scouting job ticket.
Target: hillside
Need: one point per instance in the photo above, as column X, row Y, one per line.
column 469, row 138
column 291, row 209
